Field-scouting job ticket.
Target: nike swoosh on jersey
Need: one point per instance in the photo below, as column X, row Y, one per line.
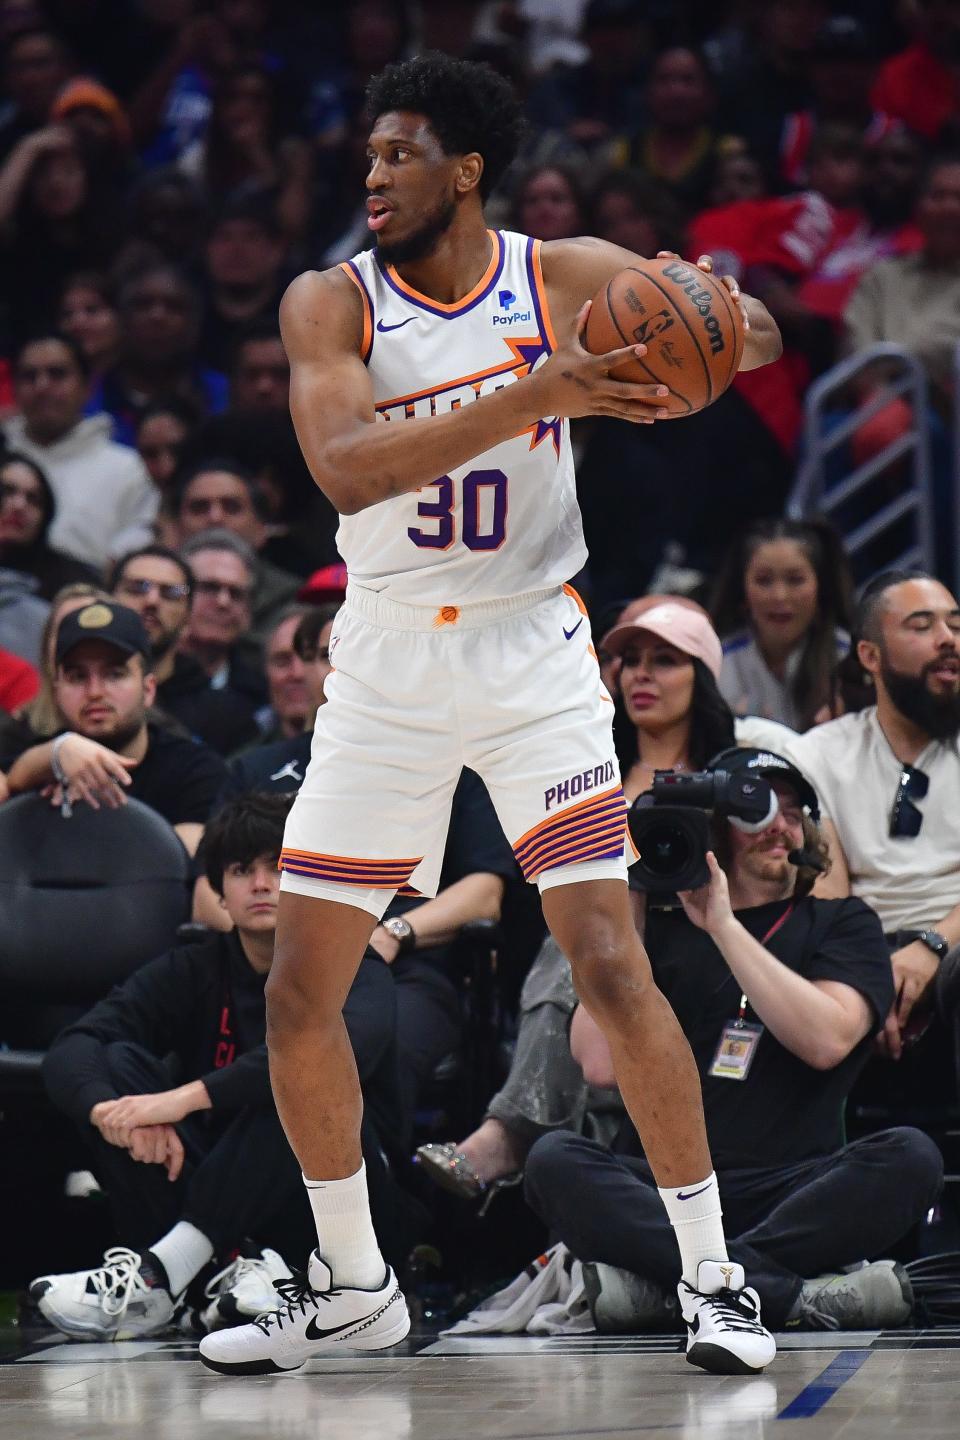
column 399, row 326
column 569, row 634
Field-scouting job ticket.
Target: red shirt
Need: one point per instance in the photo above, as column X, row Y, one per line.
column 918, row 89
column 19, row 682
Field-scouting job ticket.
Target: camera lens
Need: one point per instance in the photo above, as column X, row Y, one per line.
column 666, row 850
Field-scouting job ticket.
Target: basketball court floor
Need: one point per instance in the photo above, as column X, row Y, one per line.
column 855, row 1386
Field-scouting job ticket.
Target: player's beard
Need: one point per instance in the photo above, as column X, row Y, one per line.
column 936, row 715
column 422, row 242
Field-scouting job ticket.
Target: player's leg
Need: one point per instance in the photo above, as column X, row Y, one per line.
column 375, row 789
column 592, row 922
column 544, row 748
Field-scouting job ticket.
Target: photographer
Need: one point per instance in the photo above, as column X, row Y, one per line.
column 779, row 995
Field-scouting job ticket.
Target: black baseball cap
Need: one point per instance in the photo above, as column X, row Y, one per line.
column 769, row 767
column 115, row 625
column 842, row 37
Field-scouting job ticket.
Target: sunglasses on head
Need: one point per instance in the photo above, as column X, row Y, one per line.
column 905, row 818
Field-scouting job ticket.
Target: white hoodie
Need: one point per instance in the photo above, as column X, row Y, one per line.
column 106, row 501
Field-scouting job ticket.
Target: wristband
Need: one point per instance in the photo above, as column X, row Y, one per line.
column 59, row 774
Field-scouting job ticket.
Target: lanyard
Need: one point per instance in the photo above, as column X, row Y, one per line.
column 742, row 1013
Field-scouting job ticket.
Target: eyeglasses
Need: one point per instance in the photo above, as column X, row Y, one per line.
column 905, row 818
column 143, row 587
column 213, row 589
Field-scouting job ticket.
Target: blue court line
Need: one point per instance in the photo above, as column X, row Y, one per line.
column 814, row 1396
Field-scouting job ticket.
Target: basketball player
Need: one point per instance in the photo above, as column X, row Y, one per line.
column 432, row 380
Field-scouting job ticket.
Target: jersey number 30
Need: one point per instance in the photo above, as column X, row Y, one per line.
column 483, row 491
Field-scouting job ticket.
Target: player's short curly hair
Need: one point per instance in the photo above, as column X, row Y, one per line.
column 469, row 106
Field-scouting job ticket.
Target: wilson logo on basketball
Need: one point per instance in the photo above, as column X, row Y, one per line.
column 687, row 280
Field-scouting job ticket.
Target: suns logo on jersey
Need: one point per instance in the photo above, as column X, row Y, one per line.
column 527, row 352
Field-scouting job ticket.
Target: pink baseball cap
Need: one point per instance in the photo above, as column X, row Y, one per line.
column 679, row 624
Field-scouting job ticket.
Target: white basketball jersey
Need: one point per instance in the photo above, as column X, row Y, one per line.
column 509, row 521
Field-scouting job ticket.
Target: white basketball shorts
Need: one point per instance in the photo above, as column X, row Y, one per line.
column 510, row 688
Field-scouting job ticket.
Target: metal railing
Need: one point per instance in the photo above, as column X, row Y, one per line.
column 817, row 491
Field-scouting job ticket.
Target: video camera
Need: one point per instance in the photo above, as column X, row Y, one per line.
column 670, row 824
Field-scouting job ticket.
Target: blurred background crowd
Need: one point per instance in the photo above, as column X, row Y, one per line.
column 166, row 167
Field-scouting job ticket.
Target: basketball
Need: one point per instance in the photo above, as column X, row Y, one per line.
column 689, row 322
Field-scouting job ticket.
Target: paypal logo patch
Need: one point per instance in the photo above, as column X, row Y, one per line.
column 506, row 298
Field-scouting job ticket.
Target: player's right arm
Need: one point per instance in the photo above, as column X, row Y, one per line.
column 358, row 463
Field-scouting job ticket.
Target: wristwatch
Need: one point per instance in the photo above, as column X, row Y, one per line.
column 934, row 941
column 403, row 932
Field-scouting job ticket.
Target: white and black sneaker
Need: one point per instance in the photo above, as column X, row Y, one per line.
column 314, row 1319
column 119, row 1300
column 243, row 1290
column 724, row 1332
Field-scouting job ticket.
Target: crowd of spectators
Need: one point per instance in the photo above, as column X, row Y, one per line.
column 169, row 583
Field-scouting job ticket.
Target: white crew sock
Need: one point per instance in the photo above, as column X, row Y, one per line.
column 345, row 1234
column 182, row 1252
column 696, row 1216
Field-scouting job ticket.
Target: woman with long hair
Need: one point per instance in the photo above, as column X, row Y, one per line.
column 670, row 715
column 89, row 315
column 550, row 203
column 27, row 508
column 782, row 605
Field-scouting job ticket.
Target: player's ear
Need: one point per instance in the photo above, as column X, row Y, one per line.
column 469, row 172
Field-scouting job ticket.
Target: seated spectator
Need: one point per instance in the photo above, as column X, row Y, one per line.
column 36, row 66
column 160, row 314
column 19, row 683
column 887, row 777
column 800, row 1207
column 220, row 494
column 158, row 584
column 881, row 226
column 22, row 615
column 245, row 254
column 242, row 147
column 630, row 211
column 162, row 432
column 105, row 501
column 107, row 750
column 919, row 85
column 167, row 213
column 260, row 375
column 790, row 581
column 100, row 124
column 676, row 148
column 168, row 1082
column 89, row 315
column 27, row 511
column 914, row 300
column 300, row 524
column 550, row 203
column 41, row 718
column 224, row 567
column 843, row 67
column 670, row 715
column 58, row 214
column 281, row 765
column 289, row 709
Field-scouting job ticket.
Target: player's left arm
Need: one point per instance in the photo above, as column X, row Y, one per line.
column 574, row 270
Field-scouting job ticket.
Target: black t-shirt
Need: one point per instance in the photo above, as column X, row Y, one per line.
column 178, row 778
column 785, row 1111
column 222, row 719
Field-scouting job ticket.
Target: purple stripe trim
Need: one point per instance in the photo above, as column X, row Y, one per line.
column 535, row 296
column 598, row 825
column 432, row 309
column 378, row 882
column 613, row 853
column 355, row 272
column 610, row 834
column 597, row 813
